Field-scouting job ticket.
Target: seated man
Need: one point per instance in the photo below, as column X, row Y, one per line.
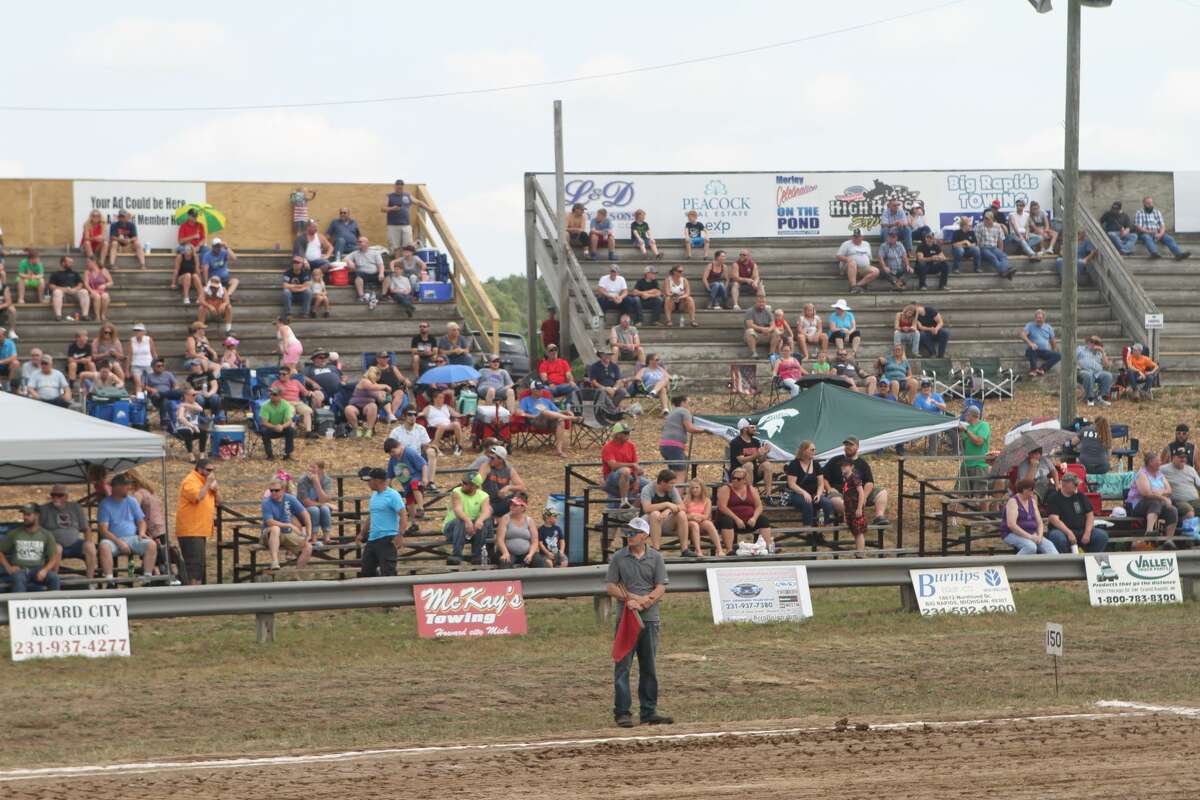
column 1184, row 480
column 931, row 259
column 286, row 522
column 1143, row 372
column 543, row 414
column 123, row 235
column 208, row 388
column 49, row 385
column 602, row 235
column 1092, row 373
column 1069, row 519
column 367, row 265
column 893, row 261
column 605, row 376
column 963, row 243
column 745, row 276
column 760, row 326
column 313, row 247
column 649, row 293
column 468, row 516
column 612, row 293
column 625, row 341
column 293, row 390
column 746, row 450
column 1039, row 225
column 66, row 282
column 854, row 261
column 1119, row 227
column 323, row 378
column 990, row 235
column 621, row 471
column 1152, row 231
column 275, row 422
column 662, row 507
column 68, row 524
column 411, row 436
column 29, row 556
column 501, row 480
column 556, row 373
column 297, row 288
column 895, row 219
column 344, row 233
column 160, row 384
column 216, row 265
column 423, row 349
column 1041, row 345
column 1084, row 252
column 123, row 530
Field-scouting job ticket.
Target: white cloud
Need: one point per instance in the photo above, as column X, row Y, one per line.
column 10, row 168
column 832, row 93
column 485, row 68
column 167, row 46
column 268, row 145
column 1177, row 93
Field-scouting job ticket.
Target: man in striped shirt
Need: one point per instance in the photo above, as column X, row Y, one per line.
column 990, row 236
column 1148, row 222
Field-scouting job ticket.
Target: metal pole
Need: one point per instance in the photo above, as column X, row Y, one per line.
column 1066, row 388
column 531, row 267
column 560, row 202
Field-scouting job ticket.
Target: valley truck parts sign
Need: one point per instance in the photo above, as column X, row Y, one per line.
column 795, row 204
column 1133, row 578
column 491, row 608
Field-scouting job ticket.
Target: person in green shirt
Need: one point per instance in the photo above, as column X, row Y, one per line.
column 31, row 275
column 275, row 422
column 29, row 556
column 977, row 440
column 468, row 515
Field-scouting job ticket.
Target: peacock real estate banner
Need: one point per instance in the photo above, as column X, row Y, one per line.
column 796, row 204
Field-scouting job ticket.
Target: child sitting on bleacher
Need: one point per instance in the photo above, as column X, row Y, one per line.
column 550, row 539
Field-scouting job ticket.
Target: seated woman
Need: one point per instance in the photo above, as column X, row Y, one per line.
column 107, row 350
column 516, row 537
column 654, row 380
column 443, row 418
column 896, row 373
column 215, row 300
column 787, row 370
column 1094, row 443
column 1042, row 471
column 698, row 507
column 187, row 273
column 196, row 347
column 904, row 329
column 292, row 389
column 716, row 281
column 188, row 425
column 807, row 488
column 495, row 383
column 94, row 240
column 230, row 357
column 679, row 297
column 740, row 510
column 365, row 401
column 1021, row 523
column 1150, row 496
column 98, row 281
column 315, row 492
column 384, row 372
column 809, row 331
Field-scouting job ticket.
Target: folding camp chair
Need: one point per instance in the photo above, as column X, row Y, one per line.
column 1130, row 448
column 527, row 432
column 990, row 379
column 590, row 430
column 237, row 387
column 947, row 378
column 743, row 386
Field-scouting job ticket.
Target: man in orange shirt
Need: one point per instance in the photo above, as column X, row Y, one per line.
column 194, row 518
column 1143, row 371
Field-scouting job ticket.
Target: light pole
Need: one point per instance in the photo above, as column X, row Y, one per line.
column 1070, row 296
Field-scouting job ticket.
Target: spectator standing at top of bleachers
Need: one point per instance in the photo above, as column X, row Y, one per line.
column 639, row 231
column 745, row 274
column 1181, row 443
column 312, row 245
column 695, row 234
column 298, row 200
column 1152, row 231
column 215, row 264
column 612, row 293
column 367, row 265
column 963, row 243
column 602, row 236
column 1039, row 225
column 1092, row 371
column 398, row 209
column 1020, row 234
column 29, row 556
column 895, row 219
column 1119, row 227
column 1041, row 345
column 990, row 236
column 123, row 233
column 343, row 231
column 854, row 261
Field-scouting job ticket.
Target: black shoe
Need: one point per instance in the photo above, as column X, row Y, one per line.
column 689, row 554
column 453, row 561
column 657, row 719
column 881, row 521
column 1183, row 255
column 623, row 720
column 413, row 528
column 1155, row 255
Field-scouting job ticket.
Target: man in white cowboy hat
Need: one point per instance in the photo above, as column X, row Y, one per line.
column 854, row 261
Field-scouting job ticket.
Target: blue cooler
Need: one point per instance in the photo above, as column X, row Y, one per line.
column 116, row 411
column 436, row 293
column 227, row 435
column 577, row 535
column 139, row 416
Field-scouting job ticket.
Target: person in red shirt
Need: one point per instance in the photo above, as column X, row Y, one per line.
column 191, row 232
column 622, row 475
column 555, row 372
column 550, row 329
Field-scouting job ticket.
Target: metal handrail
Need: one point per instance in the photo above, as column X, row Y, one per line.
column 1124, row 295
column 277, row 598
column 468, row 291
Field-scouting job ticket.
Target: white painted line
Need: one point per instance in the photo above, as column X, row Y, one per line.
column 134, row 768
column 1182, row 711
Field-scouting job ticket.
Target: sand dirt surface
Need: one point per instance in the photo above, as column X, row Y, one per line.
column 1113, row 756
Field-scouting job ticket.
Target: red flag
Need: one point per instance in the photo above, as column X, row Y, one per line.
column 628, row 630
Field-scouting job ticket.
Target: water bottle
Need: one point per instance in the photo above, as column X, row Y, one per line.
column 483, row 556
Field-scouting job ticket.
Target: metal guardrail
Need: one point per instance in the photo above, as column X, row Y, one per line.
column 278, row 598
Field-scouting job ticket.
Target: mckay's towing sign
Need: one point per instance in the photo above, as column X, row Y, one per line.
column 1133, row 578
column 962, row 590
column 57, row 628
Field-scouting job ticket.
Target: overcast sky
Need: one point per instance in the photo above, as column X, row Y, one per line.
column 874, row 98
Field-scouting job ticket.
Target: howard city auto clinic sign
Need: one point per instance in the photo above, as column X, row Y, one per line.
column 1133, row 578
column 57, row 628
column 490, row 608
column 151, row 204
column 796, row 204
column 962, row 590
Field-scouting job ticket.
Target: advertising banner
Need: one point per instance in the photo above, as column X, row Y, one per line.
column 962, row 590
column 1132, row 578
column 759, row 594
column 1187, row 201
column 490, row 608
column 795, row 204
column 151, row 204
column 58, row 628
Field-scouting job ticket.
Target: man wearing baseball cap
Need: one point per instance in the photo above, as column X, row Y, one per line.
column 1180, row 442
column 854, row 261
column 555, row 372
column 650, row 295
column 613, row 294
column 877, row 496
column 29, row 555
column 469, row 516
column 1119, row 227
column 123, row 233
column 621, row 471
column 637, row 576
column 384, row 526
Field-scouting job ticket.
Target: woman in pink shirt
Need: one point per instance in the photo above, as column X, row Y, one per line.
column 292, row 390
column 787, row 370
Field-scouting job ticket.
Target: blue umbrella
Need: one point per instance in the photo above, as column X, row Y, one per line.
column 449, row 373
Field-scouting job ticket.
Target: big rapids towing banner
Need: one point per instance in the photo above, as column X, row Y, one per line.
column 795, row 204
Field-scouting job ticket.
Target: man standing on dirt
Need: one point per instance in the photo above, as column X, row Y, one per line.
column 637, row 576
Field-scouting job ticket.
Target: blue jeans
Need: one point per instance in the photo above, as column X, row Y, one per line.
column 1079, row 262
column 1026, row 244
column 1089, row 381
column 1048, row 358
column 1123, row 243
column 971, row 251
column 322, row 517
column 935, row 343
column 904, row 233
column 456, row 533
column 996, row 258
column 25, row 580
column 809, row 509
column 653, row 307
column 646, row 651
column 344, row 244
column 630, row 305
column 1096, row 544
column 1152, row 247
column 718, row 294
column 290, row 297
column 1027, row 547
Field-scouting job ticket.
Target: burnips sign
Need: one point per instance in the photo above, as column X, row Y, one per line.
column 863, row 206
column 490, row 608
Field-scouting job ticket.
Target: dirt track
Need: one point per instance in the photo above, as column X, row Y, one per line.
column 1129, row 757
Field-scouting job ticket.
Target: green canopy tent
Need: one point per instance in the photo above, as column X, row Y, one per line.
column 827, row 414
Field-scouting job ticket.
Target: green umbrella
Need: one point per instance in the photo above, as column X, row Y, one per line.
column 213, row 220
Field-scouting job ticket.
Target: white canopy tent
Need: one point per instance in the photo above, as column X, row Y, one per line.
column 41, row 443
